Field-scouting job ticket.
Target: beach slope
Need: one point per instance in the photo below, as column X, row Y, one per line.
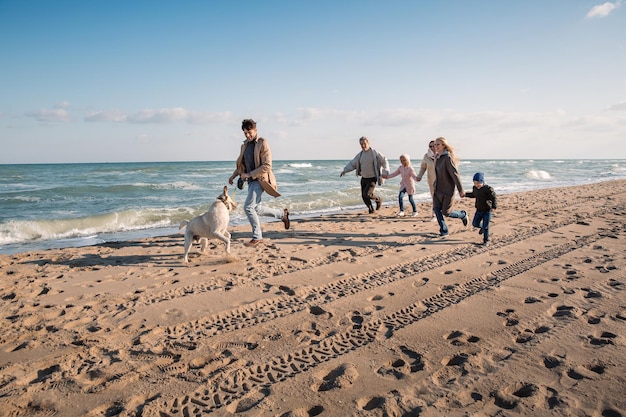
column 342, row 315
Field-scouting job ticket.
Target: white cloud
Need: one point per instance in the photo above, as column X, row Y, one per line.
column 106, row 116
column 160, row 116
column 603, row 10
column 617, row 106
column 50, row 115
column 209, row 117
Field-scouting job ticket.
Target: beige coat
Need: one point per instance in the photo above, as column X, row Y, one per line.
column 263, row 162
column 428, row 166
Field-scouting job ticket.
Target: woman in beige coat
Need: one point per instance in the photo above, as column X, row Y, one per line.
column 428, row 166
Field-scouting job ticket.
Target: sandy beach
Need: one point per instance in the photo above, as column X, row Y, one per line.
column 342, row 315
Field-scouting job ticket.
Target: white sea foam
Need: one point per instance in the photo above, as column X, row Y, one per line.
column 16, row 231
column 538, row 174
column 177, row 185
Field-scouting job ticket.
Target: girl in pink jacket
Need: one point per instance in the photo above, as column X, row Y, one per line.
column 407, row 184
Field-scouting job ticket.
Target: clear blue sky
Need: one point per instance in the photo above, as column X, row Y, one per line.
column 119, row 80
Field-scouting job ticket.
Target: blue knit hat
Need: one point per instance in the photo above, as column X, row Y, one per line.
column 479, row 176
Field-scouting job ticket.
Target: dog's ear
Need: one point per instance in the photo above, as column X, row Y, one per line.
column 225, row 190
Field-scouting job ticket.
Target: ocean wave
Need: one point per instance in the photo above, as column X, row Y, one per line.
column 20, row 198
column 300, row 165
column 177, row 185
column 538, row 174
column 18, row 231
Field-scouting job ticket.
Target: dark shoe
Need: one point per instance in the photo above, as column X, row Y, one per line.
column 286, row 219
column 481, row 231
column 253, row 243
column 370, row 210
column 378, row 204
column 443, row 234
column 464, row 218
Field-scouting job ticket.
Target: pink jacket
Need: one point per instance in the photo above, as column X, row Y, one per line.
column 408, row 176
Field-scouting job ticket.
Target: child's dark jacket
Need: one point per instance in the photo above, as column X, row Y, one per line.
column 485, row 197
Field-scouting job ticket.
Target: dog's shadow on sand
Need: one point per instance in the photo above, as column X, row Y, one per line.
column 92, row 260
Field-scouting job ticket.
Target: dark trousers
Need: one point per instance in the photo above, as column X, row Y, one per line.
column 368, row 185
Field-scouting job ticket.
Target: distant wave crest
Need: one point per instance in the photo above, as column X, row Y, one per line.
column 538, row 174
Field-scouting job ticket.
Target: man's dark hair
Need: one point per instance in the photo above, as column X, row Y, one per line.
column 248, row 124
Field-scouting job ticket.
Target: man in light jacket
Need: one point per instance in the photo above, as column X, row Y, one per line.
column 370, row 166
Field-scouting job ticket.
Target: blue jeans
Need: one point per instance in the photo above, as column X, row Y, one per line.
column 401, row 200
column 485, row 218
column 442, row 204
column 254, row 209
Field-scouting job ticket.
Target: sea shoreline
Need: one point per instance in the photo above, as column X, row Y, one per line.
column 237, row 220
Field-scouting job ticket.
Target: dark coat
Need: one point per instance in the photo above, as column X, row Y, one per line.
column 485, row 197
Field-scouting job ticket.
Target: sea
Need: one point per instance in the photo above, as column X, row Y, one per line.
column 44, row 206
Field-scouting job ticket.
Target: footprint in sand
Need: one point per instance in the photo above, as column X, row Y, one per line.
column 458, row 338
column 320, row 312
column 448, row 375
column 589, row 293
column 551, row 362
column 357, row 320
column 601, row 340
column 342, row 376
column 595, row 316
column 509, row 397
column 564, row 311
column 409, row 362
column 387, row 406
column 511, row 318
column 524, row 337
column 250, row 401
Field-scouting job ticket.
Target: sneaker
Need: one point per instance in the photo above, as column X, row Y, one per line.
column 464, row 218
column 414, row 214
column 400, row 214
column 378, row 204
column 371, row 210
column 286, row 219
column 481, row 231
column 486, row 243
column 253, row 243
column 433, row 219
column 443, row 234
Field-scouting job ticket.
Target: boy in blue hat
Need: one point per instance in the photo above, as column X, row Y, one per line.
column 485, row 203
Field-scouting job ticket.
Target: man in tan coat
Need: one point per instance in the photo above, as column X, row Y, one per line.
column 254, row 165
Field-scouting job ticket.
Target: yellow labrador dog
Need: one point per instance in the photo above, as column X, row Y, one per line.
column 212, row 224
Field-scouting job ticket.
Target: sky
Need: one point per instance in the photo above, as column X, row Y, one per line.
column 156, row 80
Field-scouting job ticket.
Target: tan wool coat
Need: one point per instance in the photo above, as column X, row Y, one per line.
column 263, row 162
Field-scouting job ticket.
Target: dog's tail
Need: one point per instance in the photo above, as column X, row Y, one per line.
column 183, row 224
